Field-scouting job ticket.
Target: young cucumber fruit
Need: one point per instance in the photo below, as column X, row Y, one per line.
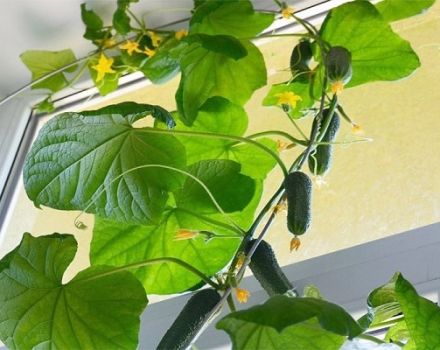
column 300, row 58
column 298, row 188
column 266, row 270
column 338, row 64
column 320, row 161
column 190, row 320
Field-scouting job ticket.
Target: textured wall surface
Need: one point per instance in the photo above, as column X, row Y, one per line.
column 374, row 190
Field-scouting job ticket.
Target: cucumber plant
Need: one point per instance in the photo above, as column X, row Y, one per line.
column 175, row 203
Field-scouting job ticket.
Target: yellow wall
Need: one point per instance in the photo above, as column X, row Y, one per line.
column 374, row 189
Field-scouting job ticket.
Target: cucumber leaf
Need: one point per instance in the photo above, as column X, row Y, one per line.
column 422, row 316
column 221, row 74
column 164, row 65
column 290, row 323
column 236, row 18
column 118, row 244
column 97, row 309
column 121, row 20
column 41, row 63
column 398, row 333
column 299, row 88
column 382, row 304
column 377, row 52
column 393, row 10
column 87, row 161
column 93, row 23
column 220, row 116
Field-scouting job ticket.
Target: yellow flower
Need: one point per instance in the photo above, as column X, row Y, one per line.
column 295, row 243
column 240, row 261
column 104, row 66
column 149, row 52
column 130, row 47
column 107, row 43
column 180, row 34
column 183, row 234
column 155, row 39
column 280, row 208
column 242, row 295
column 287, row 12
column 357, row 129
column 337, row 87
column 288, row 98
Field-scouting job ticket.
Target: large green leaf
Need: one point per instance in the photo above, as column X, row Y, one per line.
column 116, row 244
column 87, row 162
column 377, row 52
column 393, row 10
column 41, row 63
column 422, row 316
column 290, row 323
column 220, row 116
column 97, row 309
column 222, row 75
column 299, row 88
column 236, row 18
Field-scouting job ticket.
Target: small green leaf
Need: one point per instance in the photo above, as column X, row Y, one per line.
column 422, row 316
column 223, row 76
column 93, row 23
column 290, row 323
column 90, row 18
column 117, row 244
column 41, row 63
column 311, row 291
column 121, row 22
column 88, row 162
column 393, row 10
column 45, row 106
column 377, row 52
column 97, row 309
column 236, row 18
column 299, row 88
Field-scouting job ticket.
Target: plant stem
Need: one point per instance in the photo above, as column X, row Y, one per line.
column 139, row 23
column 151, row 262
column 296, row 126
column 231, row 303
column 219, row 136
column 213, row 221
column 78, row 74
column 371, row 338
column 277, row 132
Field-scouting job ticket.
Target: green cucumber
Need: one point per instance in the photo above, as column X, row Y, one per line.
column 190, row 320
column 320, row 161
column 300, row 58
column 266, row 270
column 338, row 64
column 298, row 188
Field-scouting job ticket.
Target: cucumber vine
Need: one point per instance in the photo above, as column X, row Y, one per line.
column 175, row 203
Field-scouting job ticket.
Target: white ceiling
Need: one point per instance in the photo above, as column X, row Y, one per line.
column 56, row 25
